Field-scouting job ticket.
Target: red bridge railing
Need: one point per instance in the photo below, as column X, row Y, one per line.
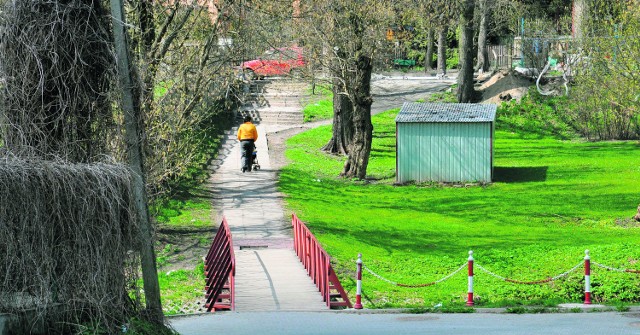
column 220, row 271
column 317, row 263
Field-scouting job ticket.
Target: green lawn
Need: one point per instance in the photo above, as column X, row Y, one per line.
column 319, row 104
column 551, row 200
column 183, row 239
column 181, row 289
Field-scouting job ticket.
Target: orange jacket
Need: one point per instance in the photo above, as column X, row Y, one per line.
column 247, row 131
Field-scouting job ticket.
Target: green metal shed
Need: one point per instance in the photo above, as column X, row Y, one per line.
column 445, row 142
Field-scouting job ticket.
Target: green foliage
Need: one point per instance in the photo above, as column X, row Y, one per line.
column 536, row 115
column 622, row 308
column 161, row 89
column 181, row 287
column 551, row 200
column 320, row 110
column 191, row 212
column 453, row 59
column 320, row 106
column 447, row 96
column 607, row 90
column 516, row 310
column 457, row 310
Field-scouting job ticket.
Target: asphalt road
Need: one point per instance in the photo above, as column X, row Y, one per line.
column 335, row 323
column 391, row 91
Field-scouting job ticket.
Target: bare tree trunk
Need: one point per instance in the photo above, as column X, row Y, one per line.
column 442, row 50
column 483, row 54
column 579, row 12
column 360, row 147
column 428, row 57
column 133, row 138
column 342, row 132
column 297, row 12
column 465, row 77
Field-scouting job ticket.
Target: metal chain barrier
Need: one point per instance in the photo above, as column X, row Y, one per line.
column 615, row 269
column 533, row 282
column 414, row 285
column 470, row 265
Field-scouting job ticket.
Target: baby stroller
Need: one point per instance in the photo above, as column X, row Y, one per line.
column 254, row 159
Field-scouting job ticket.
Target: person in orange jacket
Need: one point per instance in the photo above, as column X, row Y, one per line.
column 247, row 135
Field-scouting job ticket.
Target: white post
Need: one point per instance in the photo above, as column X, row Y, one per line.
column 470, row 288
column 358, row 304
column 587, row 278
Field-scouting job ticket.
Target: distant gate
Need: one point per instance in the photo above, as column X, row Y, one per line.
column 220, row 271
column 500, row 56
column 317, row 263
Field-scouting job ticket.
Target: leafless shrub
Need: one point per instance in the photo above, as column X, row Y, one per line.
column 66, row 231
column 56, row 65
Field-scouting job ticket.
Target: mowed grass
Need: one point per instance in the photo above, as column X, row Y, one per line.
column 181, row 289
column 551, row 200
column 319, row 104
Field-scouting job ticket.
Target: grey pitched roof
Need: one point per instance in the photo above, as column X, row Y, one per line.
column 446, row 112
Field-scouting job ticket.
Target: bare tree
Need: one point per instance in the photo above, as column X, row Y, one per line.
column 465, row 77
column 351, row 32
column 185, row 78
column 428, row 57
column 441, row 14
column 442, row 50
column 343, row 129
column 483, row 53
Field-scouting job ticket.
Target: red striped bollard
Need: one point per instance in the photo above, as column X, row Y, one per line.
column 587, row 278
column 358, row 304
column 470, row 290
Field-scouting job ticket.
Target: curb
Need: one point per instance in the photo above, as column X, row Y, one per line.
column 497, row 310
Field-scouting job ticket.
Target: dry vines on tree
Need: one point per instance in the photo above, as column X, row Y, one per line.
column 66, row 231
column 56, row 64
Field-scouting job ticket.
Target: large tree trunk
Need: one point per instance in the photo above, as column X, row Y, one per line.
column 342, row 132
column 428, row 57
column 442, row 50
column 483, row 54
column 133, row 134
column 578, row 19
column 465, row 77
column 360, row 147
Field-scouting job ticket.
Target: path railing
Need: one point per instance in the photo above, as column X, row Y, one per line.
column 317, row 263
column 220, row 271
column 470, row 265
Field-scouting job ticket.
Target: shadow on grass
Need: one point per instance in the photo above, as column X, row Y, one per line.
column 520, row 174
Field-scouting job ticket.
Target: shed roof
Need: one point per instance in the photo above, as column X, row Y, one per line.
column 446, row 112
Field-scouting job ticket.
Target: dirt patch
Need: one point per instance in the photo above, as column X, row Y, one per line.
column 504, row 86
column 182, row 248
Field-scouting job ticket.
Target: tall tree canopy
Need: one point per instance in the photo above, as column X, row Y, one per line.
column 346, row 36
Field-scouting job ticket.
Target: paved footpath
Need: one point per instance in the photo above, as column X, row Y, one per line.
column 269, row 276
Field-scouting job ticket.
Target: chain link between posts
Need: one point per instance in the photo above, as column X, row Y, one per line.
column 533, row 282
column 485, row 270
column 615, row 269
column 414, row 285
